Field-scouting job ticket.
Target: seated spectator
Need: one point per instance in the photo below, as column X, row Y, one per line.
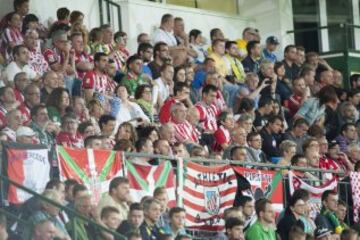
column 20, row 83
column 235, row 70
column 177, row 219
column 347, row 136
column 51, row 213
column 255, row 154
column 11, row 36
column 234, row 228
column 341, row 213
column 134, row 220
column 300, row 96
column 120, row 54
column 57, row 104
column 213, row 78
column 117, row 197
column 248, row 34
column 68, row 136
column 107, row 38
column 134, row 236
column 247, row 205
column 83, row 61
column 133, row 78
column 298, row 134
column 283, row 85
column 263, row 112
column 182, row 38
column 96, row 41
column 79, row 109
column 251, row 62
column 143, row 96
column 239, row 154
column 143, row 38
column 323, row 233
column 336, row 160
column 111, row 218
column 200, row 74
column 97, row 82
column 287, row 150
column 291, row 68
column 161, row 194
column 145, row 51
column 268, row 133
column 238, row 138
column 245, row 121
column 14, row 121
column 296, row 233
column 348, row 112
column 82, row 229
column 149, row 228
column 184, row 131
column 96, row 110
column 293, row 213
column 44, row 230
column 268, row 52
column 26, row 135
column 129, row 111
column 32, row 98
column 7, row 102
column 353, row 153
column 196, row 41
column 222, row 136
column 107, row 125
column 263, row 227
column 161, row 56
column 50, row 82
column 218, row 53
column 164, row 84
column 93, row 142
column 167, row 132
column 349, row 234
column 126, row 131
column 329, row 200
column 20, row 64
column 36, row 61
column 162, row 147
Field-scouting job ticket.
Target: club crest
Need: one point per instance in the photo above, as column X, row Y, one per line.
column 212, row 200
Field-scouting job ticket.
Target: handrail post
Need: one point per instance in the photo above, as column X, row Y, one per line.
column 180, row 180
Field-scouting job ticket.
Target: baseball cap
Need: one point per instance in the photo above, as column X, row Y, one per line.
column 322, row 232
column 272, row 40
column 333, row 143
column 25, row 131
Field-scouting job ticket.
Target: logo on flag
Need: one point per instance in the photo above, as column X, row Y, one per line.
column 212, row 200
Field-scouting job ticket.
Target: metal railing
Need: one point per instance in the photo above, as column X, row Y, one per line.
column 109, row 14
column 68, row 210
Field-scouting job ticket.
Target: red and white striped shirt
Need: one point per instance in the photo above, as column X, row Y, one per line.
column 25, row 114
column 10, row 35
column 186, row 132
column 208, row 114
column 222, row 136
column 37, row 62
column 82, row 57
column 97, row 82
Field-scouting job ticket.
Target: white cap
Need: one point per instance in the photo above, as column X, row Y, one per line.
column 25, row 131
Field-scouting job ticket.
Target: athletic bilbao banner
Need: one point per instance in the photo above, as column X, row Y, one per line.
column 93, row 168
column 263, row 184
column 296, row 182
column 207, row 192
column 28, row 165
column 145, row 179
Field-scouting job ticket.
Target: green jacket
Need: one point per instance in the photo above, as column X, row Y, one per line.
column 332, row 218
column 258, row 232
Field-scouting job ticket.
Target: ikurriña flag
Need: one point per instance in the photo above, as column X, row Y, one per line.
column 94, row 168
column 208, row 191
column 145, row 179
column 28, row 165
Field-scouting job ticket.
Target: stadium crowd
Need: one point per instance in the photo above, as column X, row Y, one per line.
column 69, row 85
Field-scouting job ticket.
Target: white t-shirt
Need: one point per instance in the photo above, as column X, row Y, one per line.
column 163, row 89
column 162, row 36
column 131, row 112
column 12, row 69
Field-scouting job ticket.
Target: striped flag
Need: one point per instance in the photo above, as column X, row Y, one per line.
column 94, row 168
column 145, row 179
column 27, row 165
column 207, row 192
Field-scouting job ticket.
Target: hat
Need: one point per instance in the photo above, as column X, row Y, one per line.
column 273, row 40
column 25, row 131
column 333, row 143
column 322, row 232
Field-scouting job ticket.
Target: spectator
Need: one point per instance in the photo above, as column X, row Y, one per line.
column 50, row 82
column 347, row 136
column 164, row 83
column 57, row 104
column 126, row 131
column 263, row 112
column 143, row 98
column 268, row 133
column 291, row 69
column 234, row 229
column 296, row 233
column 287, row 150
column 167, row 132
column 329, row 200
column 11, row 37
column 68, row 136
column 134, row 236
column 14, row 120
column 251, row 62
column 26, row 135
column 268, row 52
column 308, row 74
column 32, row 98
column 300, row 96
column 283, row 85
column 196, row 41
column 300, row 56
column 117, row 197
column 152, row 211
column 107, row 38
column 145, row 51
column 143, row 38
column 238, row 138
column 348, row 113
column 120, row 53
column 298, row 134
column 44, row 230
column 93, row 142
column 222, row 137
column 262, row 229
column 239, row 154
column 36, row 62
column 349, row 234
column 182, row 39
column 177, row 220
column 111, row 218
column 161, row 56
column 341, row 213
column 323, row 233
column 165, row 32
column 247, row 205
column 83, row 61
column 248, row 34
column 20, row 64
column 133, row 78
column 20, row 83
column 218, row 52
column 134, row 220
column 160, row 194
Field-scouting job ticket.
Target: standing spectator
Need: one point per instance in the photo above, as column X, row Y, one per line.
column 251, row 62
column 165, row 32
column 152, row 211
column 36, row 61
column 133, row 221
column 268, row 52
column 117, row 196
column 262, row 229
column 161, row 56
column 11, row 37
column 269, row 135
column 291, row 69
column 20, row 64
